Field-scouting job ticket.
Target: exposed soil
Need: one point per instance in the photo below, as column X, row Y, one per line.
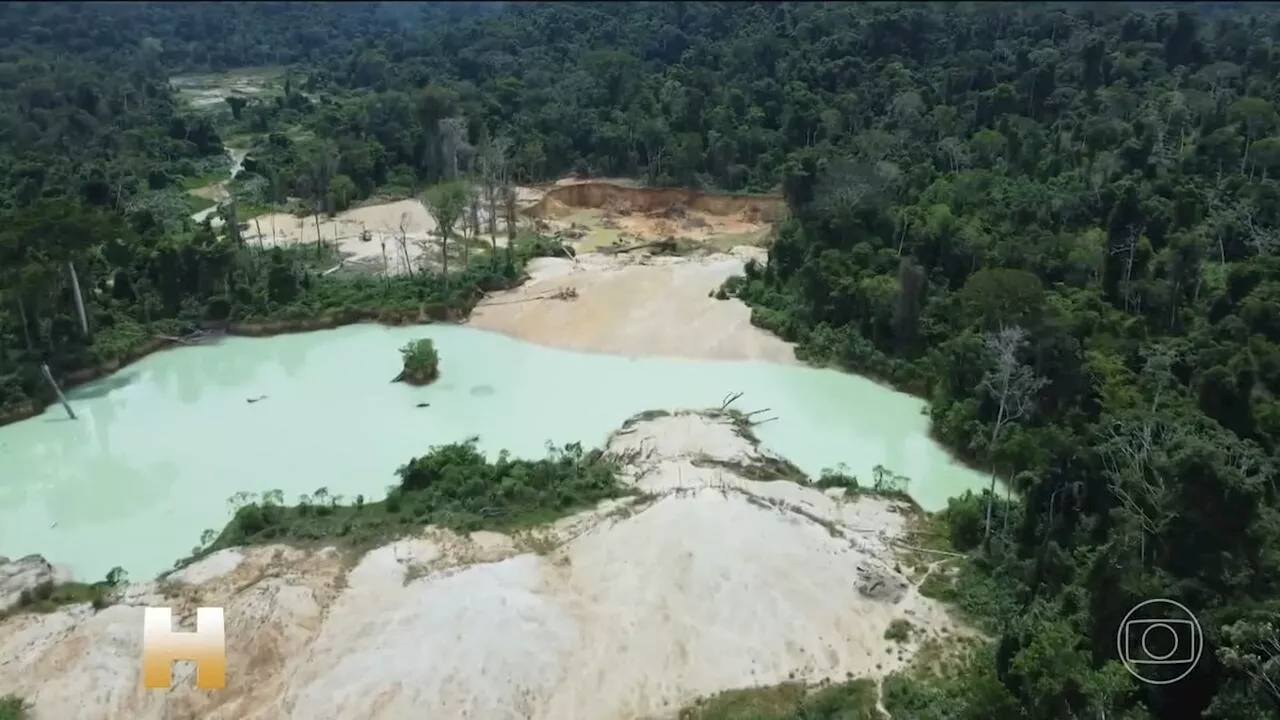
column 599, row 214
column 634, row 609
column 210, row 91
column 588, row 215
column 632, row 304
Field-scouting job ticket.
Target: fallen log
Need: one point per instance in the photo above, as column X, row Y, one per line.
column 48, row 375
column 187, row 339
column 668, row 245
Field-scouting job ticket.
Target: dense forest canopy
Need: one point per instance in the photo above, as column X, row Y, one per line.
column 1058, row 222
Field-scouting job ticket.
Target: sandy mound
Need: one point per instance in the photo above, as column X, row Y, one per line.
column 622, row 199
column 593, row 214
column 631, row 610
column 626, row 303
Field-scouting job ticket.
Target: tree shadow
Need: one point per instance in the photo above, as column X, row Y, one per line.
column 101, row 388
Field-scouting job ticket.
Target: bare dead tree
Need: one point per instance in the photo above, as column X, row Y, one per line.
column 1129, row 448
column 26, row 324
column 471, row 224
column 854, row 182
column 1218, row 208
column 509, row 197
column 1251, row 646
column 386, row 268
column 1129, row 249
column 1130, row 444
column 1103, row 166
column 403, row 240
column 1013, row 385
column 1265, row 665
column 453, row 138
column 494, row 167
column 1263, row 239
column 1157, row 369
column 79, row 296
column 955, row 151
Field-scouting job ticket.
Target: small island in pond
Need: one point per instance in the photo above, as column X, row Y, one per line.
column 421, row 363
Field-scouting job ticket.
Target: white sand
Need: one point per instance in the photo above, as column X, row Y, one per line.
column 632, row 305
column 385, row 222
column 633, row 610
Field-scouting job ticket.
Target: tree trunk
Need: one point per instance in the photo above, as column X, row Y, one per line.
column 995, row 434
column 444, row 255
column 75, row 288
column 44, row 368
column 319, row 240
column 491, row 198
column 510, row 203
column 26, row 327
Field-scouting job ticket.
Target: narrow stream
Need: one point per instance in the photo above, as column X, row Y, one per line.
column 161, row 446
column 237, row 164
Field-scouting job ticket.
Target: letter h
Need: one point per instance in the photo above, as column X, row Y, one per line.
column 162, row 646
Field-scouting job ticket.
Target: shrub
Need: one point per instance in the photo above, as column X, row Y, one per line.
column 421, row 362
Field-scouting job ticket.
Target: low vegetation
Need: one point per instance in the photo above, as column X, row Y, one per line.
column 13, row 707
column 899, row 630
column 452, row 486
column 421, row 362
column 49, row 596
column 853, row 700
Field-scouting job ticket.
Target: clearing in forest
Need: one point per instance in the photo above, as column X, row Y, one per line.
column 210, row 91
column 590, row 216
column 606, row 215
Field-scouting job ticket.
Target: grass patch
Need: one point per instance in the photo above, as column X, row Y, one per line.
column 198, row 203
column 246, row 211
column 852, row 700
column 452, row 486
column 199, row 181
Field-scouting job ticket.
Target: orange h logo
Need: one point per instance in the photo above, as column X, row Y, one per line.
column 162, row 646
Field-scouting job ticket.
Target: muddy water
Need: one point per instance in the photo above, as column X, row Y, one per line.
column 160, row 447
